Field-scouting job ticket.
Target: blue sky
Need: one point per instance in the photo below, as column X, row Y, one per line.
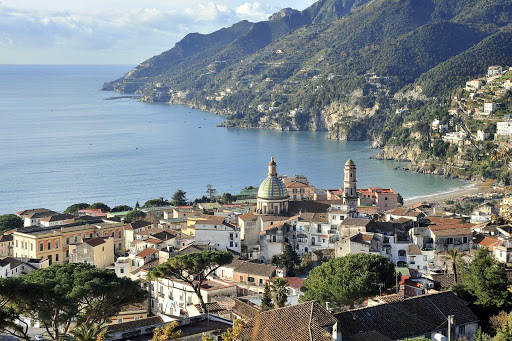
column 114, row 31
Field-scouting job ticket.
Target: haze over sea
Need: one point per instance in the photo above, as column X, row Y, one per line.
column 61, row 143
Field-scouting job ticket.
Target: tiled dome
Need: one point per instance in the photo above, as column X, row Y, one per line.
column 272, row 188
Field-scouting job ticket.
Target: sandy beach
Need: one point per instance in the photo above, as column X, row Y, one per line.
column 467, row 190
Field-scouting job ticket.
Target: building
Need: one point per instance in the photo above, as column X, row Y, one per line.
column 494, row 70
column 305, row 321
column 33, row 217
column 489, row 107
column 503, row 251
column 252, row 277
column 223, row 235
column 481, row 135
column 474, row 84
column 455, row 136
column 272, row 194
column 420, row 316
column 96, row 251
column 12, row 267
column 6, row 245
column 504, row 128
column 57, row 220
column 384, row 198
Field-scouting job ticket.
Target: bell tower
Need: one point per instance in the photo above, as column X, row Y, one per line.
column 350, row 188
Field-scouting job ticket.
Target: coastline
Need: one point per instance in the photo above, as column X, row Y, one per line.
column 457, row 193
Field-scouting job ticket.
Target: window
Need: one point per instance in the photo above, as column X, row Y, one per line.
column 57, row 257
column 230, row 244
column 119, row 246
column 401, row 253
column 49, row 245
column 261, row 282
column 113, row 234
column 67, row 241
column 462, row 330
column 274, row 238
column 102, row 248
column 119, row 234
column 40, row 246
column 424, row 258
column 241, row 278
column 75, row 239
column 385, row 198
column 56, row 243
column 67, row 253
column 449, row 240
column 121, row 270
column 464, row 239
column 31, row 246
column 16, row 243
column 120, row 320
column 250, row 279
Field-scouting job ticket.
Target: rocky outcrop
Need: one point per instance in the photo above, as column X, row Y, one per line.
column 399, row 153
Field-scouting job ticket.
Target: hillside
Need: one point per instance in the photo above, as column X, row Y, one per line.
column 342, row 66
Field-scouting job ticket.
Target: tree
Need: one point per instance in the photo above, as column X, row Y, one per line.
column 137, row 206
column 192, row 268
column 100, row 206
column 279, row 292
column 344, row 280
column 400, row 199
column 159, row 202
column 122, row 208
column 288, row 260
column 266, row 299
column 486, row 279
column 227, row 198
column 9, row 222
column 505, row 332
column 85, row 333
column 178, row 198
column 134, row 216
column 454, row 256
column 73, row 209
column 74, row 291
column 10, row 321
column 233, row 334
column 167, row 332
column 479, row 336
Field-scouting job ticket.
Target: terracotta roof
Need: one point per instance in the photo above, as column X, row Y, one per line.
column 487, row 241
column 296, row 184
column 446, row 281
column 257, row 269
column 147, row 267
column 355, row 222
column 234, row 263
column 95, row 241
column 391, row 298
column 447, row 223
column 122, row 327
column 406, row 212
column 152, row 241
column 413, row 250
column 300, row 322
column 452, row 232
column 271, row 218
column 58, row 217
column 247, row 216
column 212, row 308
column 213, row 220
column 41, row 212
column 294, row 282
column 245, row 309
column 362, row 238
column 424, row 314
column 146, row 252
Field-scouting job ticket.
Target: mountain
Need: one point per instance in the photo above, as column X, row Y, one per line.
column 342, row 66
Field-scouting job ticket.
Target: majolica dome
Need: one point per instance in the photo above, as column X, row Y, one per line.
column 272, row 187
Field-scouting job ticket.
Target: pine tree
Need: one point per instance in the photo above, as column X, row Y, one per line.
column 266, row 300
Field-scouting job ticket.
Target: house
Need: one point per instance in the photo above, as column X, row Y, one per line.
column 130, row 313
column 494, row 70
column 96, row 251
column 132, row 229
column 420, row 260
column 223, row 235
column 413, row 214
column 172, row 297
column 212, row 308
column 489, row 107
column 56, row 220
column 481, row 135
column 482, row 213
column 305, row 321
column 360, row 243
column 474, row 84
column 455, row 136
column 6, row 245
column 12, row 267
column 417, row 286
column 298, row 190
column 503, row 251
column 504, row 128
column 352, row 226
column 384, row 198
column 452, row 236
column 420, row 316
column 33, row 217
column 251, row 277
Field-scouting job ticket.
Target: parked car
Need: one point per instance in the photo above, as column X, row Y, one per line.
column 39, row 337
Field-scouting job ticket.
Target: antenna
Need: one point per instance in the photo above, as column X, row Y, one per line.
column 380, row 285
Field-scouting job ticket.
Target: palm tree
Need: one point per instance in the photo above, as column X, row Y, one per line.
column 85, row 333
column 454, row 256
column 279, row 291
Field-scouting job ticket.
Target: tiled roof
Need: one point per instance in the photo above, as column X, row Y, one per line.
column 234, row 263
column 300, row 322
column 294, row 282
column 137, row 225
column 372, row 335
column 296, row 184
column 446, row 281
column 312, row 206
column 391, row 298
column 362, row 238
column 487, row 241
column 122, row 327
column 355, row 222
column 147, row 267
column 9, row 260
column 245, row 309
column 212, row 308
column 6, row 238
column 146, row 252
column 275, row 218
column 212, row 220
column 414, row 316
column 152, row 241
column 58, row 217
column 39, row 211
column 452, row 232
column 257, row 269
column 95, row 241
column 247, row 216
column 413, row 250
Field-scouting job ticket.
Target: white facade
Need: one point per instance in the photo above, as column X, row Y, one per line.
column 456, row 136
column 494, row 70
column 489, row 107
column 224, row 236
column 481, row 135
column 504, row 128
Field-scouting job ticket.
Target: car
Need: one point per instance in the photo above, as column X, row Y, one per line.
column 39, row 337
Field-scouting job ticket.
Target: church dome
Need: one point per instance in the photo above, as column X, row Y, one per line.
column 349, row 163
column 272, row 188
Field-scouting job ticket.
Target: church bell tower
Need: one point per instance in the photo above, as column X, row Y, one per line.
column 350, row 188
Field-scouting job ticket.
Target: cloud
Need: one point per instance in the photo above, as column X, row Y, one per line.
column 254, row 11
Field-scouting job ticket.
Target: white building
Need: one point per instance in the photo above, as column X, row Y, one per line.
column 481, row 135
column 12, row 267
column 494, row 70
column 489, row 107
column 223, row 235
column 504, row 128
column 474, row 84
column 455, row 136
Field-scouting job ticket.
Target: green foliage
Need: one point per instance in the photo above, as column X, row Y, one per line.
column 400, row 199
column 505, row 332
column 100, row 206
column 134, row 216
column 159, row 202
column 84, row 333
column 73, row 291
column 10, row 313
column 266, row 299
column 228, row 198
column 122, row 208
column 287, row 260
column 73, row 209
column 179, row 198
column 193, row 268
column 279, row 292
column 344, row 280
column 486, row 279
column 9, row 222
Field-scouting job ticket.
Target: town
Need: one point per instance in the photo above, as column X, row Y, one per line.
column 285, row 261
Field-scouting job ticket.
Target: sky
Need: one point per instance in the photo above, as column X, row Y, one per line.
column 115, row 31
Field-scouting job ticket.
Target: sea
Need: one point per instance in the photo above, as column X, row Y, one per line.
column 61, row 143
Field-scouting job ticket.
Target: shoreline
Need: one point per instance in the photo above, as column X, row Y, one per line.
column 457, row 193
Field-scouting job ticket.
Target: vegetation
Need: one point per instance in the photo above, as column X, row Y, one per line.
column 122, row 208
column 159, row 202
column 134, row 216
column 167, row 332
column 100, row 206
column 10, row 222
column 287, row 260
column 454, row 256
column 266, row 299
column 342, row 281
column 68, row 292
column 73, row 209
column 179, row 198
column 233, row 334
column 192, row 268
column 279, row 292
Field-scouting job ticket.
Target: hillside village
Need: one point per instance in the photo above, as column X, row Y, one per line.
column 288, row 217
